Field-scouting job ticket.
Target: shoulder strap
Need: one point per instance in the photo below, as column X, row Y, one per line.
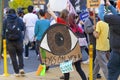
column 91, row 21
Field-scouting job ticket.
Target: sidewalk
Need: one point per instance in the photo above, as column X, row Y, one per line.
column 31, row 66
column 51, row 74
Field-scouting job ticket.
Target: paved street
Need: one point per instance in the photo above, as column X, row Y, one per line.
column 31, row 66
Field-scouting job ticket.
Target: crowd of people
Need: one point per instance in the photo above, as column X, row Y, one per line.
column 104, row 35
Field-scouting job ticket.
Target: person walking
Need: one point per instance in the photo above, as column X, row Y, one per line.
column 20, row 13
column 29, row 19
column 12, row 32
column 102, row 47
column 114, row 61
column 63, row 19
column 76, row 29
column 40, row 27
column 89, row 29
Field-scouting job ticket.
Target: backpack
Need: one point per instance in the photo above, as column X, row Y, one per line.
column 13, row 32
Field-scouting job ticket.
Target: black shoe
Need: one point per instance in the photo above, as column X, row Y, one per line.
column 99, row 76
column 47, row 68
column 62, row 77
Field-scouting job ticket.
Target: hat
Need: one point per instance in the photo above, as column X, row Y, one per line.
column 118, row 4
column 20, row 10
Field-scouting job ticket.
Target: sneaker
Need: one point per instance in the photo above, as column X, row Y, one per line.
column 99, row 76
column 26, row 57
column 17, row 75
column 22, row 72
column 63, row 77
column 47, row 68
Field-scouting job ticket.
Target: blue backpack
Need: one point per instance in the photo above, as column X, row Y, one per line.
column 13, row 32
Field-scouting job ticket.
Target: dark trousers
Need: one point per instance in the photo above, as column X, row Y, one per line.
column 78, row 69
column 37, row 48
column 15, row 49
column 114, row 65
column 27, row 50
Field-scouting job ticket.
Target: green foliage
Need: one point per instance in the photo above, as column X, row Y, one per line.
column 20, row 4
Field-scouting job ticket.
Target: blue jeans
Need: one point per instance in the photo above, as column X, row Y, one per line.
column 84, row 53
column 114, row 65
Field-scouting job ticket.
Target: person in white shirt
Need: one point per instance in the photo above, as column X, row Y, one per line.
column 29, row 19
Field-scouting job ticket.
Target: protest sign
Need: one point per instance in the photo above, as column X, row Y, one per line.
column 58, row 5
column 59, row 44
column 84, row 15
column 66, row 66
column 93, row 3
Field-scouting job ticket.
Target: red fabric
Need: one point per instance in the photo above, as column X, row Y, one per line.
column 91, row 13
column 79, row 29
column 61, row 21
column 74, row 27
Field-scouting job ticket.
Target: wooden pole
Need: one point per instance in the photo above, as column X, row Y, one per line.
column 94, row 15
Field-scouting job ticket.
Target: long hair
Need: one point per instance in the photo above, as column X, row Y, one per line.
column 64, row 14
column 72, row 23
column 71, row 20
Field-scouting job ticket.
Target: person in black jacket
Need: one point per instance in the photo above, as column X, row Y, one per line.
column 14, row 47
column 114, row 61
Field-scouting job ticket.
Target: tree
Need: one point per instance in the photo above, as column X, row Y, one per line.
column 20, row 4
